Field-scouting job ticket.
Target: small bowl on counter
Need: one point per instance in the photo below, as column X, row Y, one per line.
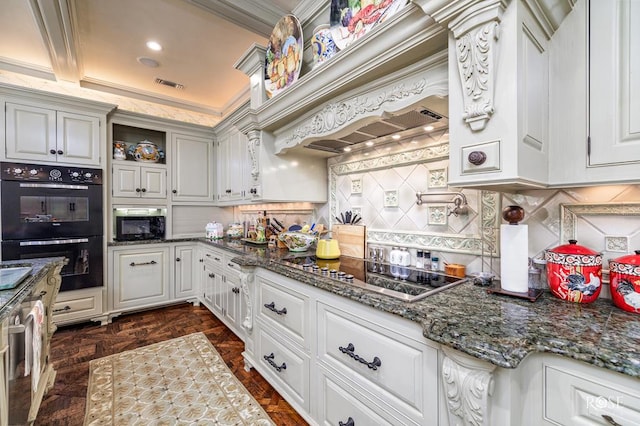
column 297, row 241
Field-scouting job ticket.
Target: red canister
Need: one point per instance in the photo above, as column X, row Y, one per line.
column 574, row 272
column 624, row 275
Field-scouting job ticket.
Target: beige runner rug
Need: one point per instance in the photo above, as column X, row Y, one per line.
column 180, row 381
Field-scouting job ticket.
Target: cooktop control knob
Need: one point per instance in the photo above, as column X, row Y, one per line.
column 88, row 175
column 33, row 172
column 75, row 174
column 17, row 171
column 306, row 266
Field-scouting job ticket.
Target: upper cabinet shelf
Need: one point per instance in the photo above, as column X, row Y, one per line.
column 407, row 37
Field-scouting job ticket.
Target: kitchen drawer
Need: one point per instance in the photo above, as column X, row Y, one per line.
column 284, row 309
column 349, row 345
column 484, row 157
column 574, row 397
column 339, row 403
column 288, row 367
column 77, row 305
column 213, row 257
column 231, row 266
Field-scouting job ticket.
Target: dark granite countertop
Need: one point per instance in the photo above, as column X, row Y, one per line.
column 13, row 297
column 494, row 328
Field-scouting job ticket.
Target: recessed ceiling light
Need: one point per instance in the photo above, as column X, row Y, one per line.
column 346, row 149
column 395, row 137
column 428, row 128
column 369, row 143
column 154, row 45
column 148, row 62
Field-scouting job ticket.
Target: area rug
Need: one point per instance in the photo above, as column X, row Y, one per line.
column 179, row 381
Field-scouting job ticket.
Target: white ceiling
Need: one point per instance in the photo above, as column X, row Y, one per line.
column 96, row 43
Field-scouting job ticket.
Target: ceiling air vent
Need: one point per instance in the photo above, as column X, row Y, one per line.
column 169, row 83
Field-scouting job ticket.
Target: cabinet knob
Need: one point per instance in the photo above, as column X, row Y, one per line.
column 177, row 259
column 477, row 157
column 212, row 275
column 144, row 189
column 60, row 152
column 52, row 151
column 137, row 189
column 349, row 422
column 175, row 191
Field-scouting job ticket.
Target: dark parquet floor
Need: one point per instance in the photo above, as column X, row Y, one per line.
column 73, row 346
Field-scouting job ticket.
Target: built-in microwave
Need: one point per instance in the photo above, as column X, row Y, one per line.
column 133, row 228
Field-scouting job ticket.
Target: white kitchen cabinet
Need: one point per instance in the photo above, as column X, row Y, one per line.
column 296, row 323
column 140, row 277
column 498, row 117
column 79, row 305
column 192, row 168
column 594, row 110
column 185, row 274
column 232, row 167
column 222, row 288
column 131, row 180
column 34, row 133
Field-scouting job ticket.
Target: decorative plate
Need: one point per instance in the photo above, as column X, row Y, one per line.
column 351, row 19
column 284, row 55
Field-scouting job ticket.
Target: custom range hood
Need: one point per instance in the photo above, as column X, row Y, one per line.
column 422, row 119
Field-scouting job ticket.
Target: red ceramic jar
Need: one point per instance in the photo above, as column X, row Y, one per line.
column 624, row 276
column 574, row 272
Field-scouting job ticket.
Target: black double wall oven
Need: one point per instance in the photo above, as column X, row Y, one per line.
column 54, row 211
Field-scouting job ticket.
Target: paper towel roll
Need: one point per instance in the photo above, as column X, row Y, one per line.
column 514, row 258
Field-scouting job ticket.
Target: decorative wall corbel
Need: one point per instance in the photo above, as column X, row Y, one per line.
column 253, row 146
column 468, row 384
column 476, row 31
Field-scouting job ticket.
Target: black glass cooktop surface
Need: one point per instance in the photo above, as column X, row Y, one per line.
column 402, row 282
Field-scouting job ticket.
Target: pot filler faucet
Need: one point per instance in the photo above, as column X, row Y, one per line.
column 459, row 201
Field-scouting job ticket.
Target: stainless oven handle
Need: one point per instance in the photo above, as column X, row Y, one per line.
column 52, row 186
column 52, row 242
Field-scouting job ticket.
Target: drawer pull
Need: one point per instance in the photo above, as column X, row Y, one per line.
column 236, row 290
column 477, row 158
column 610, row 420
column 349, row 422
column 349, row 351
column 272, row 307
column 66, row 308
column 269, row 359
column 153, row 262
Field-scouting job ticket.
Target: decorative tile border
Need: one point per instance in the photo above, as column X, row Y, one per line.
column 569, row 214
column 483, row 244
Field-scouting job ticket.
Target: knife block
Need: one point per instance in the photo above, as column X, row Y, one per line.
column 351, row 239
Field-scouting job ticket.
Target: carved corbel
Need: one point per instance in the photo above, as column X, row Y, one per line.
column 246, row 279
column 476, row 31
column 253, row 147
column 468, row 384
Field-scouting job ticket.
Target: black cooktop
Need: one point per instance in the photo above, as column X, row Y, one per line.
column 405, row 283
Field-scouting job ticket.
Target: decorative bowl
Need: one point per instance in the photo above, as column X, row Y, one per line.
column 297, row 241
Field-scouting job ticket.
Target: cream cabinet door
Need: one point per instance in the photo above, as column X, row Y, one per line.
column 30, row 133
column 186, row 280
column 153, row 182
column 614, row 41
column 78, row 139
column 193, row 170
column 140, row 277
column 134, row 181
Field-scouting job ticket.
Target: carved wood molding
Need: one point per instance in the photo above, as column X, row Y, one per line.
column 252, row 147
column 246, row 279
column 468, row 384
